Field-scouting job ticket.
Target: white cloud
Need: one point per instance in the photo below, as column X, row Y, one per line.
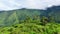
column 9, row 5
column 41, row 4
column 35, row 4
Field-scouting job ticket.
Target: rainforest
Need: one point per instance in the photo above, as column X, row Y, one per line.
column 30, row 21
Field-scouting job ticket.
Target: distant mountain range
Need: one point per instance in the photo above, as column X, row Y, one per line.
column 9, row 17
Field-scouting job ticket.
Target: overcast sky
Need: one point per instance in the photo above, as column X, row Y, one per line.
column 34, row 4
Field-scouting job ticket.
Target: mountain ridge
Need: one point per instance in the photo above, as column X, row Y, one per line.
column 9, row 17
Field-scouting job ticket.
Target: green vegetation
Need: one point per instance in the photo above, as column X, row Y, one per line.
column 31, row 28
column 33, row 25
column 29, row 21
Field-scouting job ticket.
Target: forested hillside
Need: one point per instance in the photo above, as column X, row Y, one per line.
column 30, row 21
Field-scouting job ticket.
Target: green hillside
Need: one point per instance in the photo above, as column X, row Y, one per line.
column 30, row 21
column 10, row 17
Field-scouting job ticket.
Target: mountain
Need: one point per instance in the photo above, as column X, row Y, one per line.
column 14, row 16
column 55, row 12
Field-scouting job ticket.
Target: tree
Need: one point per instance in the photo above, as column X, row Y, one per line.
column 28, row 19
column 36, row 19
column 44, row 20
column 51, row 19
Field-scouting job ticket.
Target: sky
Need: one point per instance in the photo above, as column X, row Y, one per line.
column 31, row 4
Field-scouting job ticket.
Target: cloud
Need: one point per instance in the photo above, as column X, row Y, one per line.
column 41, row 4
column 9, row 5
column 32, row 4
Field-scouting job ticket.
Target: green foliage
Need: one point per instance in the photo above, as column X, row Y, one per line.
column 27, row 22
column 31, row 28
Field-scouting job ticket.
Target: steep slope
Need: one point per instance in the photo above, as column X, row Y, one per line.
column 55, row 12
column 14, row 16
column 12, row 19
column 4, row 16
